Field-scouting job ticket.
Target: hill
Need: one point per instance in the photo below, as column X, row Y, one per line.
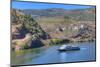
column 76, row 14
column 26, row 32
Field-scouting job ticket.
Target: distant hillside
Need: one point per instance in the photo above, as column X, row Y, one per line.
column 82, row 14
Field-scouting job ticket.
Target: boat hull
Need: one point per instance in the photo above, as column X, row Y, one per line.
column 69, row 49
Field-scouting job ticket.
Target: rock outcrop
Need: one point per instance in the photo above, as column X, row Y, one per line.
column 19, row 44
column 25, row 31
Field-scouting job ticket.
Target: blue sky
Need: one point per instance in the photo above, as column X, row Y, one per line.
column 34, row 5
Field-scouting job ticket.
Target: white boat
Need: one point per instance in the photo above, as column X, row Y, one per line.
column 68, row 48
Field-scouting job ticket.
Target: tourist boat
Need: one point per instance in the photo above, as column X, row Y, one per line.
column 68, row 48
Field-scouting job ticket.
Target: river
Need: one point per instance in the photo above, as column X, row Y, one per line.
column 46, row 55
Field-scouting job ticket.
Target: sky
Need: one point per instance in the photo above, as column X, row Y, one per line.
column 35, row 5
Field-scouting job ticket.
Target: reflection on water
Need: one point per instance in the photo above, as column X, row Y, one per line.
column 52, row 55
column 63, row 56
column 24, row 56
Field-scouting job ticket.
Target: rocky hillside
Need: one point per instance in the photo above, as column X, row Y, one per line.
column 26, row 32
column 52, row 26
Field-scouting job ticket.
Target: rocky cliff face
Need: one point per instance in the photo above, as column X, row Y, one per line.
column 84, row 31
column 25, row 29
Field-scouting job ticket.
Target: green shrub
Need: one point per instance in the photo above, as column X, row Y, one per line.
column 59, row 41
column 56, row 41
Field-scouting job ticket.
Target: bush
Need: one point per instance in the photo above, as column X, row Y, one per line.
column 59, row 41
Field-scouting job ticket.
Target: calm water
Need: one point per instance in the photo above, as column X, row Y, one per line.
column 45, row 55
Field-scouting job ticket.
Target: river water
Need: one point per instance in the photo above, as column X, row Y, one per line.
column 51, row 54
